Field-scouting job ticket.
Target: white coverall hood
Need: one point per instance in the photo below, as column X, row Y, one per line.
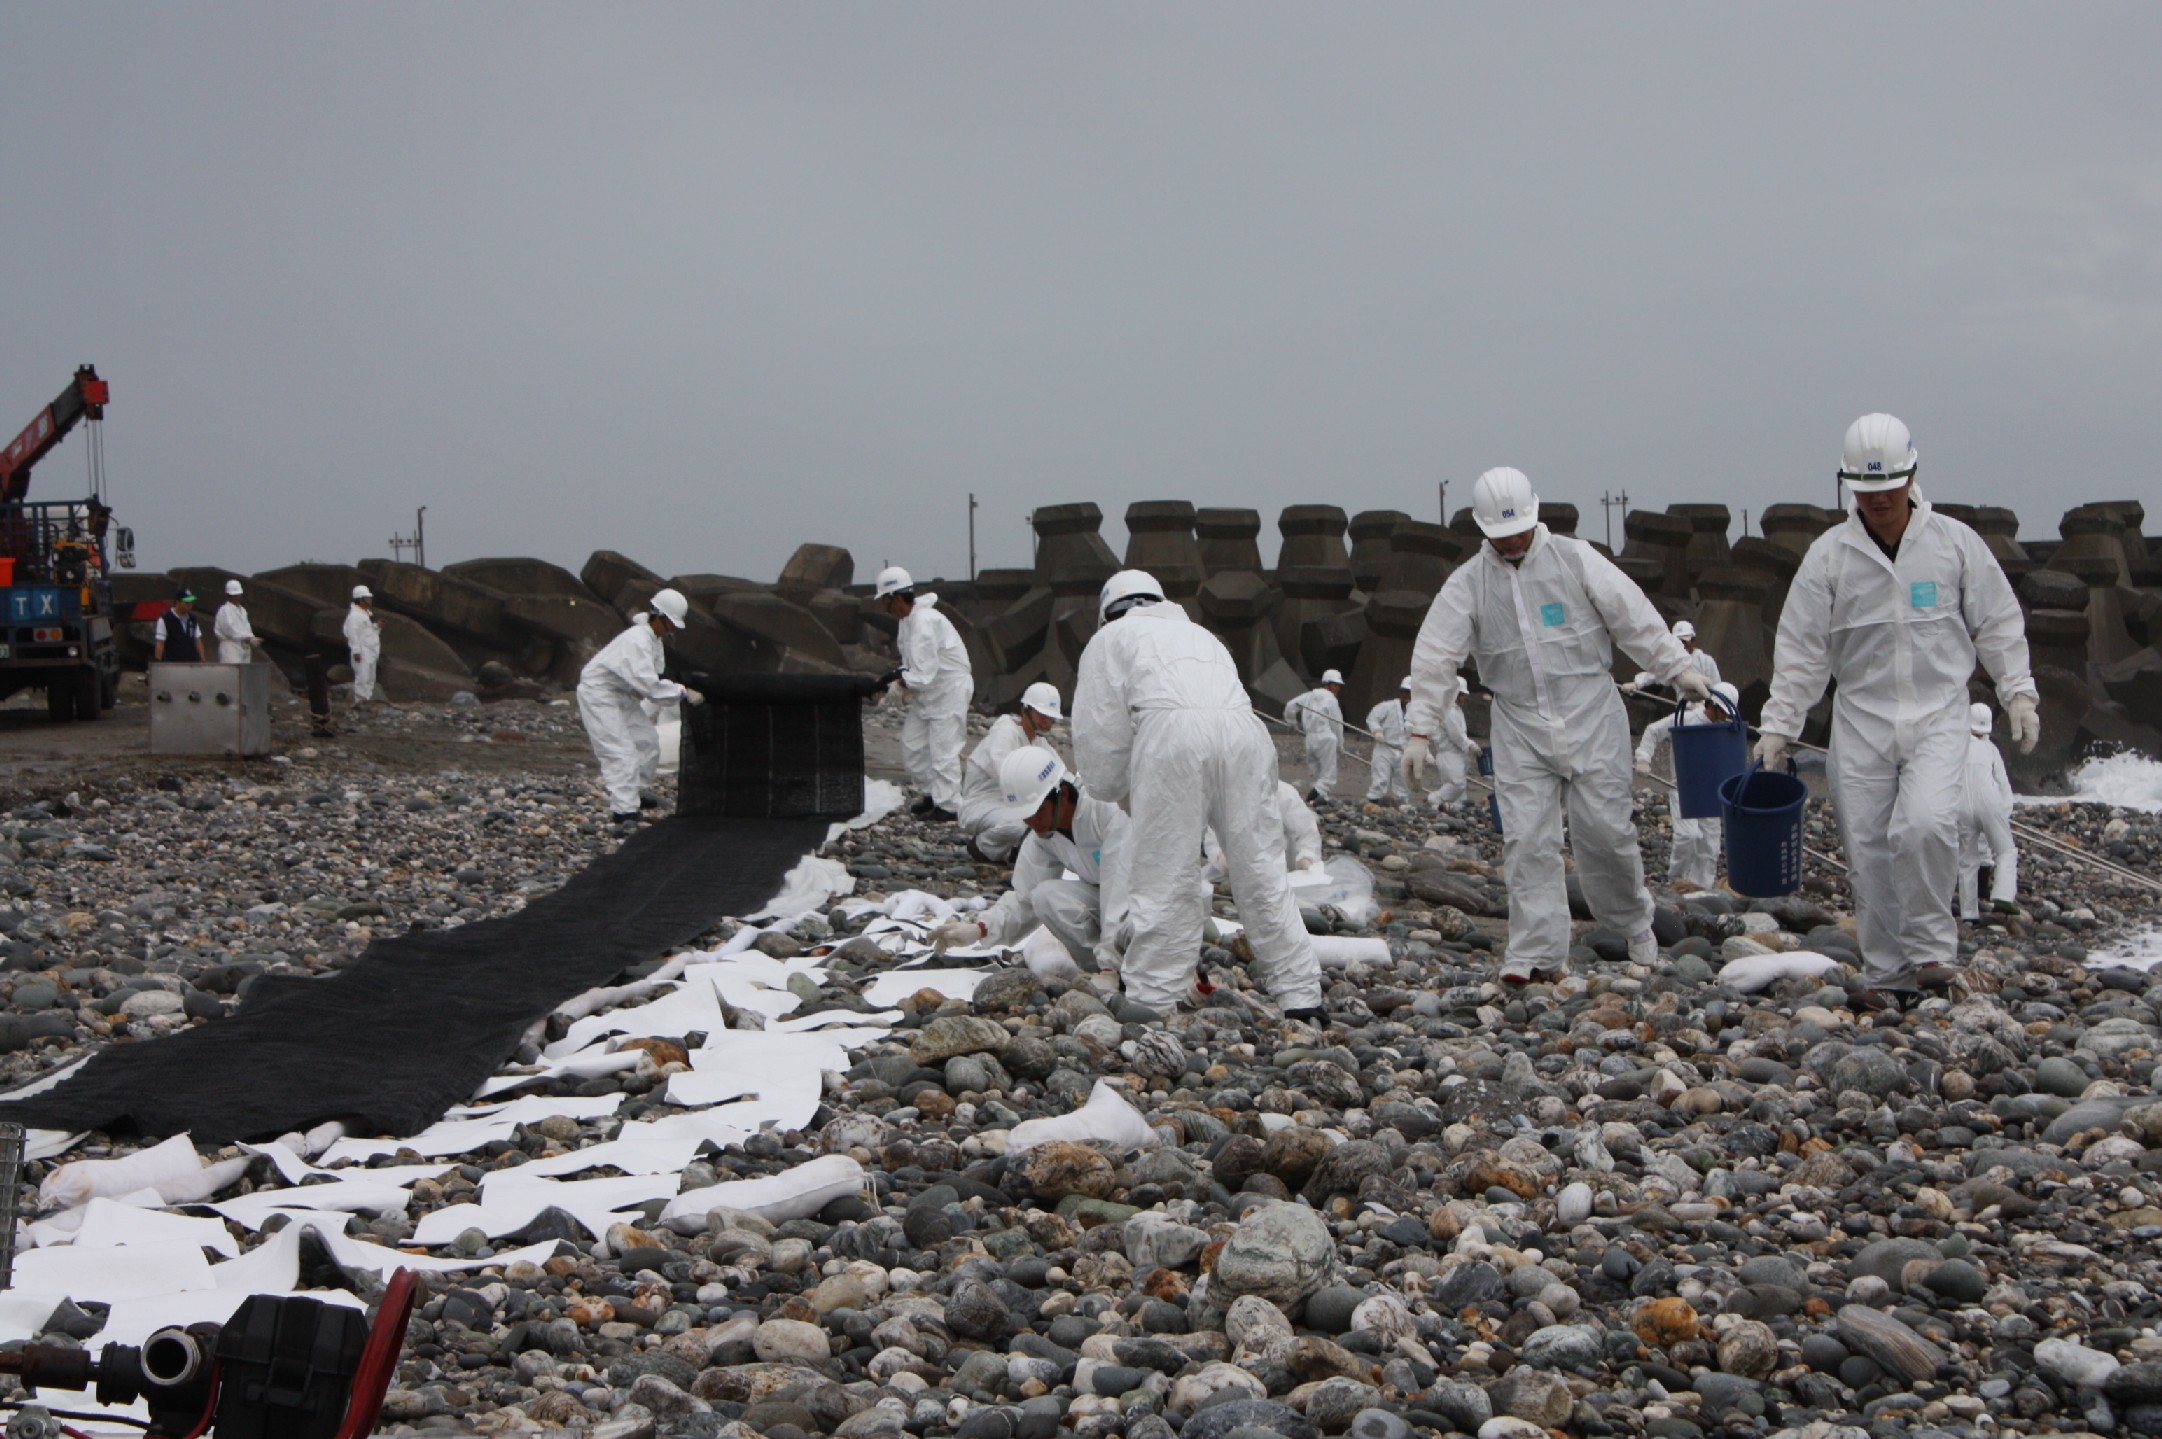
column 1162, row 723
column 235, row 633
column 1902, row 638
column 612, row 691
column 1088, row 913
column 935, row 667
column 1319, row 718
column 1985, row 829
column 982, row 812
column 364, row 648
column 1543, row 634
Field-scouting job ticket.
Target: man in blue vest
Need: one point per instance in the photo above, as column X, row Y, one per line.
column 177, row 638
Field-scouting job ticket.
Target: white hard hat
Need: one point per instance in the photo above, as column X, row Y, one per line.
column 1043, row 698
column 671, row 606
column 1730, row 698
column 1879, row 455
column 1503, row 503
column 1024, row 778
column 362, row 592
column 1406, row 684
column 232, row 587
column 1125, row 590
column 1980, row 721
column 1683, row 630
column 892, row 580
column 1332, row 677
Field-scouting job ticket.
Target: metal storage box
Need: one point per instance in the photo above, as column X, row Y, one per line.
column 210, row 709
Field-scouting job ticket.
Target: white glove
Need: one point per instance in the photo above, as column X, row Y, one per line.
column 1416, row 761
column 897, row 696
column 693, row 698
column 1644, row 769
column 957, row 934
column 2026, row 722
column 1694, row 685
column 1772, row 748
column 1107, row 956
column 1629, row 688
column 1312, row 861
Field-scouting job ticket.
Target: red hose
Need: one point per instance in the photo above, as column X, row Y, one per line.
column 379, row 1361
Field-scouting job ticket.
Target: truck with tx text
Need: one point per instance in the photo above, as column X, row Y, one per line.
column 56, row 559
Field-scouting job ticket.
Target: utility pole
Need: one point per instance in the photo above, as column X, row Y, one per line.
column 1745, row 524
column 1445, row 502
column 417, row 542
column 1607, row 503
column 972, row 537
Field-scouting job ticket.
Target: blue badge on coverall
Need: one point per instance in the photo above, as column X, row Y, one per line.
column 1552, row 615
column 1923, row 594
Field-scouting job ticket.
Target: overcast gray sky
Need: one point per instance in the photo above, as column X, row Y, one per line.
column 701, row 282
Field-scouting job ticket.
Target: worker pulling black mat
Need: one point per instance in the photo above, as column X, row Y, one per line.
column 420, row 1020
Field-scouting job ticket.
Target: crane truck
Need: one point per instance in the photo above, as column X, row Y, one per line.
column 56, row 558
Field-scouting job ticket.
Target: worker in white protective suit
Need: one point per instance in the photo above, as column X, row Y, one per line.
column 1695, row 857
column 1455, row 754
column 1302, row 837
column 1162, row 726
column 1700, row 659
column 363, row 643
column 613, row 690
column 1320, row 718
column 1385, row 768
column 934, row 684
column 236, row 637
column 1068, row 831
column 993, row 835
column 1985, row 824
column 1896, row 606
column 1541, row 613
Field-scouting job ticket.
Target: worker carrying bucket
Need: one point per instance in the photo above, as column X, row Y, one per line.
column 1763, row 811
column 1711, row 746
column 1896, row 606
column 1541, row 614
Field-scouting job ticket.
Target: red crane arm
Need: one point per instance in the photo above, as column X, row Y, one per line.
column 84, row 399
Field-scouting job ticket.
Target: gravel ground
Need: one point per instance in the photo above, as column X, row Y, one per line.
column 1635, row 1201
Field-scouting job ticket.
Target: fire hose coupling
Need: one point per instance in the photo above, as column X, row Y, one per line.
column 172, row 1357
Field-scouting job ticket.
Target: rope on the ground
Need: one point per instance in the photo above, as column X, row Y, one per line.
column 1365, row 759
column 2043, row 838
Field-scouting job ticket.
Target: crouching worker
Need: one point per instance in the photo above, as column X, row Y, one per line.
column 1302, row 838
column 1067, row 831
column 992, row 836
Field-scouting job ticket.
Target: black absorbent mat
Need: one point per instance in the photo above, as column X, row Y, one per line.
column 774, row 746
column 415, row 1024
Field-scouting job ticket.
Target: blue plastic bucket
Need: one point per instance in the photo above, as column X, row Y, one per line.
column 1706, row 756
column 1763, row 813
column 1493, row 793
